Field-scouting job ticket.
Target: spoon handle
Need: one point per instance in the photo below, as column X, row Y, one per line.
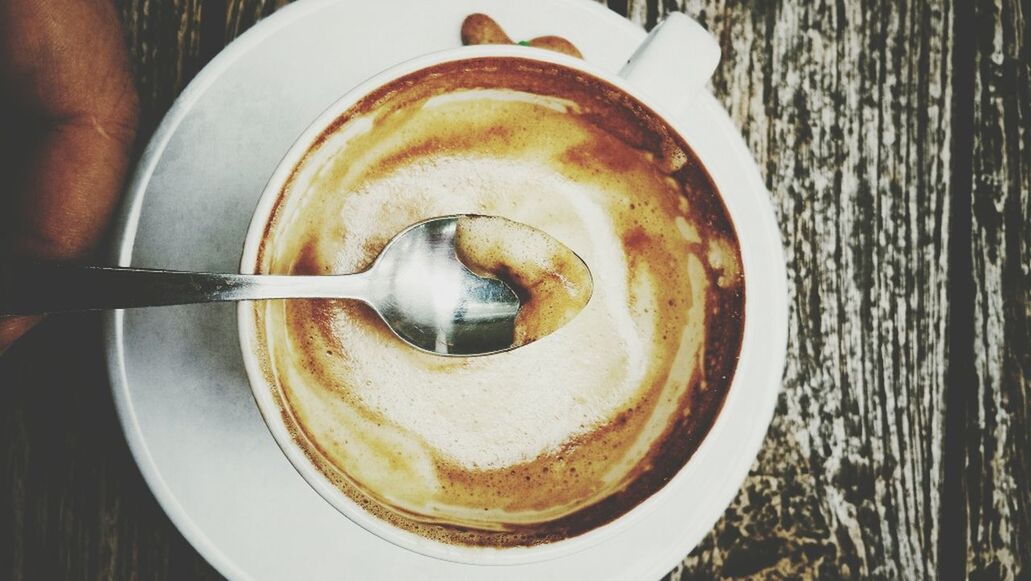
column 28, row 288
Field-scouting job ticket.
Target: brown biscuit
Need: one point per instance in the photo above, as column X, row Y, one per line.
column 557, row 44
column 482, row 29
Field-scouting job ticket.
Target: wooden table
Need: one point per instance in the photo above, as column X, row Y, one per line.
column 895, row 137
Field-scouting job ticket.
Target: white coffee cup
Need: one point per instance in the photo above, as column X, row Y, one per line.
column 670, row 67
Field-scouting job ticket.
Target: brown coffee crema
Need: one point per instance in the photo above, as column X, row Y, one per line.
column 552, row 283
column 558, row 437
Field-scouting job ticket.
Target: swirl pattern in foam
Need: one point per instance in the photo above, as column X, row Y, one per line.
column 560, row 436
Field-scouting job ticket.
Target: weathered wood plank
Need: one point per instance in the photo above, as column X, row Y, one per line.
column 242, row 14
column 998, row 426
column 164, row 43
column 847, row 107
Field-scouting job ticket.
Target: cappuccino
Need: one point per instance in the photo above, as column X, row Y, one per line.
column 569, row 432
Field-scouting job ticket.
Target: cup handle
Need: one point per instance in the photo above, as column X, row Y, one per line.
column 673, row 63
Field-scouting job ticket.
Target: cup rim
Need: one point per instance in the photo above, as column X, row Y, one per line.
column 270, row 411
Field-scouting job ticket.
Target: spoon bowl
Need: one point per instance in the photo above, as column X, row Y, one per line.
column 432, row 301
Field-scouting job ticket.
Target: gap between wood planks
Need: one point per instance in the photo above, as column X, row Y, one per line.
column 212, row 30
column 960, row 377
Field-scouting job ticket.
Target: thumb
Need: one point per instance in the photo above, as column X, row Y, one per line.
column 13, row 327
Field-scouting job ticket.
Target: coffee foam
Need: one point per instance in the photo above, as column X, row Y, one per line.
column 555, row 437
column 446, row 410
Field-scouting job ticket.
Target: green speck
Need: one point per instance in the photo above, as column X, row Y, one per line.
column 524, row 43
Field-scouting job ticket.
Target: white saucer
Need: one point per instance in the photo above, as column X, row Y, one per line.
column 178, row 378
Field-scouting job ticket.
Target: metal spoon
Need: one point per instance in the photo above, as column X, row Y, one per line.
column 418, row 286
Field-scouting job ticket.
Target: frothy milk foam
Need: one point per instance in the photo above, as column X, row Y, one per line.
column 559, row 436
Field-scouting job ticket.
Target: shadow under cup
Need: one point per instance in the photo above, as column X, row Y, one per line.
column 547, row 442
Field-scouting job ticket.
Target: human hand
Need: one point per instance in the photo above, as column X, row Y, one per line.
column 68, row 113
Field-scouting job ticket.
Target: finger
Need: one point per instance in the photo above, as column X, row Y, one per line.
column 68, row 73
column 70, row 188
column 61, row 58
column 11, row 328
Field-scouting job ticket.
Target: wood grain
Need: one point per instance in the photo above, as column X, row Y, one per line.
column 998, row 427
column 164, row 42
column 847, row 107
column 242, row 14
